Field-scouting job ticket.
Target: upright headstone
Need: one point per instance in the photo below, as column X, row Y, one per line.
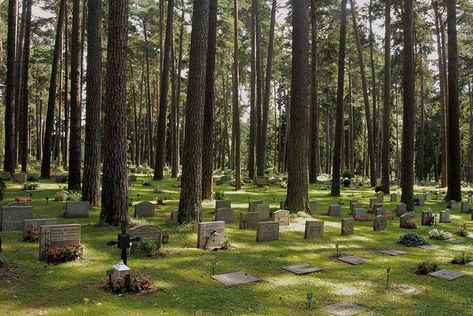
column 335, row 210
column 34, row 224
column 224, row 214
column 131, row 179
column 54, row 236
column 252, row 205
column 210, row 235
column 376, row 206
column 12, row 216
column 379, row 223
column 77, row 209
column 359, row 212
column 444, row 216
column 223, row 204
column 427, row 218
column 249, row 220
column 380, row 197
column 313, row 206
column 352, row 204
column 401, row 208
column 267, row 231
column 314, row 229
column 465, row 207
column 174, row 216
column 263, row 211
column 373, row 201
column 427, row 196
column 452, row 204
column 282, row 217
column 144, row 209
column 379, row 212
column 151, row 232
column 393, row 197
column 282, row 204
column 405, row 218
column 348, row 226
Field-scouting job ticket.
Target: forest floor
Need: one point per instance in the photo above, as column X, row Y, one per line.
column 183, row 276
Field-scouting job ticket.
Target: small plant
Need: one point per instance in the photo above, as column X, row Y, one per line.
column 463, row 258
column 226, row 243
column 462, row 231
column 219, row 195
column 410, row 224
column 158, row 191
column 74, row 196
column 147, row 183
column 147, row 248
column 30, row 186
column 32, row 234
column 426, row 267
column 412, row 240
column 439, row 234
column 64, row 254
column 61, row 196
column 32, row 177
column 139, row 283
column 346, row 182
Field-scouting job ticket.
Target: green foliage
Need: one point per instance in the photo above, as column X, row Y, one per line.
column 412, row 240
column 219, row 195
column 462, row 231
column 439, row 234
column 146, row 183
column 463, row 258
column 347, row 174
column 146, row 248
column 61, row 196
column 74, row 196
column 139, row 283
column 426, row 267
column 64, row 254
column 30, row 186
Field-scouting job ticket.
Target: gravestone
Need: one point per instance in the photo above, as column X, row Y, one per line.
column 352, row 204
column 210, row 235
column 427, row 196
column 379, row 211
column 313, row 206
column 373, row 201
column 79, row 209
column 54, row 236
column 262, row 181
column 447, row 275
column 249, row 220
column 393, row 252
column 427, row 218
column 393, row 197
column 151, row 232
column 223, row 204
column 379, row 223
column 314, row 229
column 353, row 260
column 19, row 178
column 301, row 269
column 282, row 217
column 267, row 231
column 335, row 210
column 380, row 197
column 444, row 216
column 465, row 206
column 348, row 226
column 12, row 216
column 452, row 204
column 252, row 205
column 235, row 278
column 144, row 209
column 33, row 224
column 263, row 211
column 359, row 212
column 404, row 218
column 429, row 247
column 401, row 208
column 282, row 205
column 174, row 216
column 376, row 206
column 131, row 179
column 224, row 214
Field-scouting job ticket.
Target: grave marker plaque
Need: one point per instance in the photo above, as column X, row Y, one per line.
column 224, row 214
column 210, row 235
column 144, row 209
column 335, row 210
column 223, row 204
column 282, row 217
column 465, row 206
column 12, row 216
column 151, row 232
column 348, row 226
column 33, row 224
column 267, row 231
column 54, row 236
column 252, row 205
column 401, row 208
column 314, row 229
column 393, row 197
column 263, row 211
column 379, row 223
column 405, row 218
column 444, row 216
column 249, row 220
column 79, row 209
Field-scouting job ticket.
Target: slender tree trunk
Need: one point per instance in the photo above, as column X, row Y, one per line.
column 91, row 184
column 386, row 101
column 314, row 159
column 191, row 184
column 253, row 114
column 259, row 85
column 66, row 90
column 374, row 89
column 149, row 103
column 46, row 162
column 236, row 97
column 469, row 171
column 421, row 130
column 115, row 170
column 298, row 178
column 351, row 125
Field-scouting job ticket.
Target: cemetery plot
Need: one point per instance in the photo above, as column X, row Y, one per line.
column 393, row 252
column 235, row 278
column 34, row 224
column 429, row 247
column 353, row 260
column 267, row 231
column 447, row 274
column 302, row 269
column 54, row 236
column 78, row 209
column 144, row 209
column 408, row 289
column 314, row 229
column 210, row 235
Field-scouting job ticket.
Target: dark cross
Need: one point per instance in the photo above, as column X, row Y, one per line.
column 124, row 242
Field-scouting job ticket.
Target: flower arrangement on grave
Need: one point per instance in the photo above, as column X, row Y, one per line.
column 463, row 258
column 363, row 218
column 60, row 196
column 30, row 186
column 32, row 234
column 412, row 240
column 426, row 267
column 74, row 196
column 439, row 234
column 410, row 224
column 139, row 283
column 462, row 231
column 64, row 254
column 23, row 199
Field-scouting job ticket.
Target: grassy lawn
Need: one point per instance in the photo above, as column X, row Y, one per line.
column 183, row 276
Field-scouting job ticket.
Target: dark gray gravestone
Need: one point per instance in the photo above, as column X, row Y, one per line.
column 224, row 214
column 282, row 205
column 12, row 216
column 210, row 235
column 263, row 211
column 373, row 201
column 33, row 224
column 452, row 204
column 404, row 218
column 262, row 181
column 353, row 202
column 302, row 269
column 282, row 217
column 313, row 206
column 353, row 260
column 447, row 275
column 79, row 209
column 379, row 223
column 379, row 211
column 54, row 236
column 401, row 208
column 393, row 197
column 249, row 220
column 427, row 218
column 444, row 216
column 174, row 216
column 335, row 210
column 380, row 196
column 252, row 205
column 376, row 206
column 144, row 209
column 427, row 196
column 151, row 232
column 348, row 226
column 393, row 252
column 223, row 204
column 131, row 179
column 465, row 206
column 359, row 212
column 314, row 229
column 267, row 231
column 235, row 278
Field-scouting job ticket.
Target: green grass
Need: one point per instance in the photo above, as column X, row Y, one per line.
column 183, row 277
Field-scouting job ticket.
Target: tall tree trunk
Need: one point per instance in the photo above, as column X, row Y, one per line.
column 374, row 89
column 91, row 184
column 208, row 143
column 149, row 103
column 253, row 116
column 469, row 171
column 259, row 84
column 314, row 158
column 298, row 178
column 46, row 162
column 236, row 97
column 339, row 128
column 351, row 125
column 75, row 132
column 385, row 157
column 115, row 170
column 369, row 121
column 453, row 115
column 163, row 97
column 191, row 185
column 66, row 91
column 421, row 130
column 407, row 168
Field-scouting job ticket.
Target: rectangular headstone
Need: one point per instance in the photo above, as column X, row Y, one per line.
column 359, row 212
column 33, row 224
column 174, row 216
column 249, row 220
column 151, row 232
column 302, row 269
column 427, row 196
column 393, row 252
column 379, row 211
column 262, row 181
column 252, row 205
column 224, row 214
column 144, row 209
column 427, row 218
column 348, row 226
column 380, row 196
column 335, row 210
column 401, row 208
column 12, row 216
column 282, row 205
column 131, row 179
column 314, row 229
column 54, row 236
column 313, row 206
column 223, row 204
column 373, row 201
column 465, row 206
column 404, row 218
column 444, row 216
column 267, row 231
column 376, row 206
column 210, row 235
column 79, row 209
column 282, row 217
column 263, row 211
column 393, row 197
column 447, row 275
column 379, row 223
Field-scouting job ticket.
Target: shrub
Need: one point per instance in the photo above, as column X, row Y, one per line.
column 439, row 234
column 147, row 248
column 463, row 258
column 410, row 224
column 74, row 196
column 219, row 195
column 346, row 182
column 139, row 283
column 60, row 196
column 412, row 240
column 462, row 231
column 30, row 186
column 226, row 243
column 147, row 183
column 347, row 174
column 426, row 267
column 32, row 234
column 64, row 254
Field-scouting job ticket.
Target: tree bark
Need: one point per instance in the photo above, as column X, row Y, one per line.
column 253, row 115
column 385, row 170
column 259, row 84
column 314, row 159
column 236, row 97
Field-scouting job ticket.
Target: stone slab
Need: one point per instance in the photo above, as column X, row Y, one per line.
column 151, row 232
column 447, row 274
column 54, row 236
column 314, row 229
column 282, row 217
column 429, row 247
column 31, row 224
column 393, row 252
column 225, row 214
column 12, row 216
column 267, row 231
column 302, row 269
column 223, row 204
column 144, row 209
column 77, row 209
column 353, row 260
column 235, row 278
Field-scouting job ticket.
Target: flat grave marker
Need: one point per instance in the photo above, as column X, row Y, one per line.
column 302, row 269
column 447, row 274
column 393, row 252
column 353, row 260
column 408, row 289
column 235, row 278
column 429, row 247
column 225, row 214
